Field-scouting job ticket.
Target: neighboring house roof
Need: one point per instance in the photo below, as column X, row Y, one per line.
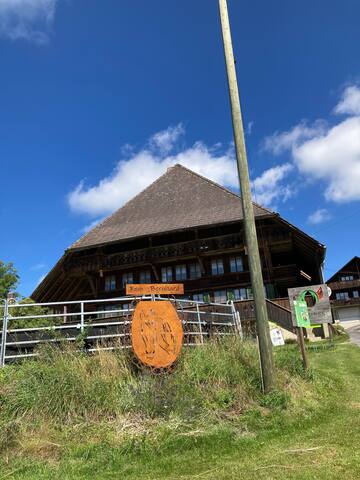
column 177, row 200
column 355, row 260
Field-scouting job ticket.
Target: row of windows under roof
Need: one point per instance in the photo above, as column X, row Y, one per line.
column 347, row 295
column 348, row 277
column 224, row 295
column 178, row 272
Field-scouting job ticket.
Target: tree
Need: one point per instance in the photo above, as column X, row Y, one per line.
column 9, row 279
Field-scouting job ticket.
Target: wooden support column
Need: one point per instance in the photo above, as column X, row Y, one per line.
column 155, row 272
column 201, row 263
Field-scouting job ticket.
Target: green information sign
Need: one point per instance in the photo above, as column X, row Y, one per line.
column 302, row 313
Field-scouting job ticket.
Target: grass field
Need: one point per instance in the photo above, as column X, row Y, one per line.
column 77, row 417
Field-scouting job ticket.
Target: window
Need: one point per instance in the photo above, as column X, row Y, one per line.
column 342, row 296
column 270, row 291
column 249, row 293
column 180, row 271
column 217, row 266
column 110, row 308
column 237, row 294
column 206, row 297
column 127, row 278
column 198, row 297
column 166, row 274
column 355, row 294
column 194, row 270
column 236, row 264
column 145, row 276
column 107, row 308
column 110, row 283
column 220, row 296
column 345, row 278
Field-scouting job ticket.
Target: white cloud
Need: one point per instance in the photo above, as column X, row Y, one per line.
column 27, row 19
column 327, row 153
column 334, row 158
column 279, row 142
column 131, row 175
column 250, row 127
column 319, row 216
column 91, row 225
column 37, row 266
column 350, row 101
column 165, row 140
column 268, row 187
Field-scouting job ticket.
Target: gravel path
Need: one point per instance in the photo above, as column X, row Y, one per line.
column 354, row 333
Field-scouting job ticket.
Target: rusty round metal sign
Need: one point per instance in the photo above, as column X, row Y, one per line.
column 156, row 333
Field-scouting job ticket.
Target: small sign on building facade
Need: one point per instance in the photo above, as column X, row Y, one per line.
column 310, row 305
column 155, row 289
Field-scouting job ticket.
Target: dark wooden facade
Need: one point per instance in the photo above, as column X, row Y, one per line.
column 345, row 286
column 205, row 249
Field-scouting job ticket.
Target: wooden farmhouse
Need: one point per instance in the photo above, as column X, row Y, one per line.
column 183, row 228
column 345, row 297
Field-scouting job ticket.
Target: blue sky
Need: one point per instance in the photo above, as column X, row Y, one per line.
column 98, row 98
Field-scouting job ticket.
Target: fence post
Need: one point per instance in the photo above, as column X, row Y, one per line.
column 82, row 321
column 4, row 333
column 200, row 326
column 237, row 319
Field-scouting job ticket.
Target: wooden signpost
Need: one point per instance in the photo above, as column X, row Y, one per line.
column 308, row 314
column 156, row 329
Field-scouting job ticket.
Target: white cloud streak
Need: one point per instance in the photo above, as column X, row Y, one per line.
column 165, row 140
column 269, row 188
column 37, row 266
column 319, row 216
column 330, row 154
column 279, row 142
column 350, row 101
column 132, row 175
column 29, row 20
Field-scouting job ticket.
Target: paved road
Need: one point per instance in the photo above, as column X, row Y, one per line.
column 354, row 333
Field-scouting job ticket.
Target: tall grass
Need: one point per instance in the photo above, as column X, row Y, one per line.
column 66, row 388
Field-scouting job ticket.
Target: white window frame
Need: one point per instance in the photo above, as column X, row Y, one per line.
column 236, row 264
column 166, row 274
column 110, row 283
column 346, row 278
column 217, row 266
column 194, row 271
column 127, row 278
column 220, row 296
column 145, row 276
column 180, row 272
column 342, row 295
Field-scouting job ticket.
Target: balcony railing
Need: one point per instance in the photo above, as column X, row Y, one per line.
column 153, row 254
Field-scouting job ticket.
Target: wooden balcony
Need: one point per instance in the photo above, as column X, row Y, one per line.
column 154, row 255
column 345, row 303
column 346, row 285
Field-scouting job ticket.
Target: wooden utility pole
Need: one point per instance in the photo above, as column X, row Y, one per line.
column 262, row 323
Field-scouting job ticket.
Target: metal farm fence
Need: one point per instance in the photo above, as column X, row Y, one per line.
column 103, row 324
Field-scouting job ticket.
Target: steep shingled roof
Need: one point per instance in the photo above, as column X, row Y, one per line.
column 178, row 199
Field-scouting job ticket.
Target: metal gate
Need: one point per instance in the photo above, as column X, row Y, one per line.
column 103, row 324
